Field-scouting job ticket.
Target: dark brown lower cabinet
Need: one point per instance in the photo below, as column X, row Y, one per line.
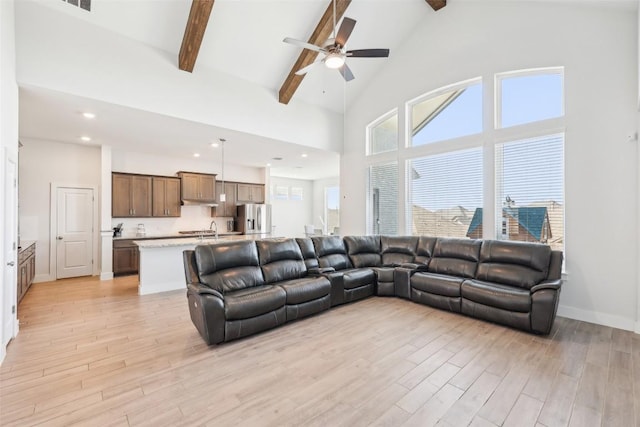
column 125, row 257
column 26, row 269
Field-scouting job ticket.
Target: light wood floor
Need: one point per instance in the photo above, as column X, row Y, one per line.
column 94, row 353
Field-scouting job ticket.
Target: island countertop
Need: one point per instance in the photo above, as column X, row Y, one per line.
column 161, row 266
column 194, row 241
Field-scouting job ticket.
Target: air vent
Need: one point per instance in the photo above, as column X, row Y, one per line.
column 82, row 4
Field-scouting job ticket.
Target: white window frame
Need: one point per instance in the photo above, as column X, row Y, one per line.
column 432, row 94
column 386, row 116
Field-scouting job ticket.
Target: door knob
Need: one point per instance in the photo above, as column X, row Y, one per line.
column 59, row 237
column 11, row 263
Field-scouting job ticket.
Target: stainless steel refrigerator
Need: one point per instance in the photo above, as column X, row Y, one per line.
column 254, row 219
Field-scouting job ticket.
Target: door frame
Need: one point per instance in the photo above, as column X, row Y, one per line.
column 53, row 225
column 12, row 303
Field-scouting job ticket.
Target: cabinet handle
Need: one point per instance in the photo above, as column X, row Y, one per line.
column 11, row 263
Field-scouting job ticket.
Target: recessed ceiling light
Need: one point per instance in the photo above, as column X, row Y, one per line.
column 304, row 155
column 85, row 138
column 89, row 115
column 196, row 154
column 268, row 164
column 215, row 144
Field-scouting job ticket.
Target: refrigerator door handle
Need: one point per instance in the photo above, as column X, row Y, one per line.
column 259, row 215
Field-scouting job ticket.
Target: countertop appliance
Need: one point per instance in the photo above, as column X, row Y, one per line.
column 117, row 230
column 254, row 219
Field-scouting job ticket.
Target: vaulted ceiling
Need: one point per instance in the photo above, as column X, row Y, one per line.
column 199, row 16
column 243, row 39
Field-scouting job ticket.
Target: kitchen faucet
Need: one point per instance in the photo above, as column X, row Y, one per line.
column 216, row 228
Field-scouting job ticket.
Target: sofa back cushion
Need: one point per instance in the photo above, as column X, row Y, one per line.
column 424, row 250
column 280, row 259
column 229, row 266
column 398, row 250
column 455, row 257
column 364, row 251
column 308, row 252
column 514, row 263
column 331, row 252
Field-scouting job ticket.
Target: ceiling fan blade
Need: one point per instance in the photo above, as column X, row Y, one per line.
column 345, row 31
column 346, row 72
column 305, row 70
column 302, row 44
column 368, row 53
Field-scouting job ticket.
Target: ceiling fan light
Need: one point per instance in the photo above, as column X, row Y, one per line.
column 334, row 60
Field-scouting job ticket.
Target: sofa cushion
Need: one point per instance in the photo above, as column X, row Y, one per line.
column 280, row 259
column 514, row 263
column 229, row 266
column 424, row 250
column 306, row 289
column 364, row 251
column 251, row 302
column 357, row 277
column 455, row 257
column 308, row 252
column 448, row 286
column 398, row 250
column 331, row 252
column 495, row 295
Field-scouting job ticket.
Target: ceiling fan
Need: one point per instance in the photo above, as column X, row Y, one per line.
column 334, row 51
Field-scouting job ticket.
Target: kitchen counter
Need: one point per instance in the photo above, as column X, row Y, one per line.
column 161, row 266
column 172, row 235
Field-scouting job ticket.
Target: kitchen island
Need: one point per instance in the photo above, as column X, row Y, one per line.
column 161, row 267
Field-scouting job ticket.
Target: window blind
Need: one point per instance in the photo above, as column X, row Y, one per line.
column 530, row 190
column 383, row 199
column 446, row 192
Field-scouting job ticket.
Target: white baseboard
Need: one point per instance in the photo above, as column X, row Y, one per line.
column 107, row 275
column 43, row 278
column 599, row 318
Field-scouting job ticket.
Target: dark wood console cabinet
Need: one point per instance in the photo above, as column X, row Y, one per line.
column 26, row 268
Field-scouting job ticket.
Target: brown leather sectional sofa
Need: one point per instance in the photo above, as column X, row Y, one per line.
column 240, row 288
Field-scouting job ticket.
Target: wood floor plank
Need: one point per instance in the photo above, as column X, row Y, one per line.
column 524, row 412
column 93, row 352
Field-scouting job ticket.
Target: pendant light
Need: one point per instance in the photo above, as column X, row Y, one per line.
column 223, row 196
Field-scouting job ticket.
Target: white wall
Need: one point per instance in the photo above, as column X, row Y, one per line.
column 290, row 216
column 56, row 58
column 318, row 198
column 8, row 146
column 597, row 45
column 41, row 164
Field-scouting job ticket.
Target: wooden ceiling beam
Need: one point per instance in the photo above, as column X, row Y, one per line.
column 318, row 37
column 194, row 33
column 437, row 4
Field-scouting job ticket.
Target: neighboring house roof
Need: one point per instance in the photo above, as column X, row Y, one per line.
column 530, row 218
column 476, row 221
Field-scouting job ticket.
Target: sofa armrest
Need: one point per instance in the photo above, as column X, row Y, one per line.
column 201, row 289
column 317, row 271
column 413, row 266
column 547, row 284
column 206, row 307
column 402, row 279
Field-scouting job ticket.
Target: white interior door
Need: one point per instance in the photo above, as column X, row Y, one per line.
column 10, row 250
column 74, row 232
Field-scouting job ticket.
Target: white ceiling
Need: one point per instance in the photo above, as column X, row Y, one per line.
column 54, row 116
column 243, row 38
